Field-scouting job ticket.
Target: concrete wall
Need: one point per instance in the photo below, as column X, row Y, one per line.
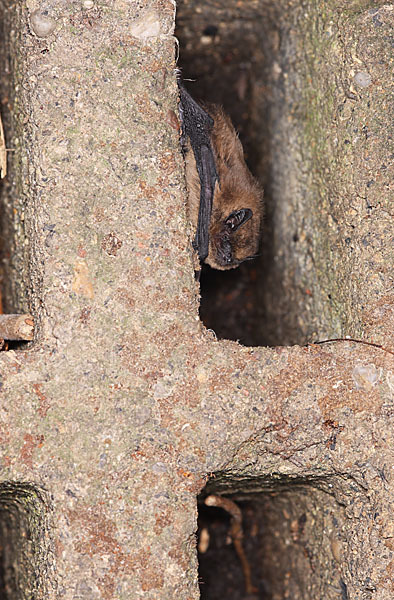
column 113, row 421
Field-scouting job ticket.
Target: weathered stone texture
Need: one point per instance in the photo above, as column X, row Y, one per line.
column 114, row 419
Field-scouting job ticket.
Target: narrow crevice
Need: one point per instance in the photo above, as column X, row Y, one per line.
column 293, row 542
column 234, row 56
column 23, row 541
column 13, row 247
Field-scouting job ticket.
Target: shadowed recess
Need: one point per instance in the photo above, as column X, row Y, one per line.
column 292, row 542
column 23, row 541
column 234, row 54
column 14, row 252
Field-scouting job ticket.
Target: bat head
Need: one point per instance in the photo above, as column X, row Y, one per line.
column 228, row 224
column 234, row 227
column 234, row 236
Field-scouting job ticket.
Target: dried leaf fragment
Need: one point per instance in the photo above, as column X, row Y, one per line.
column 82, row 284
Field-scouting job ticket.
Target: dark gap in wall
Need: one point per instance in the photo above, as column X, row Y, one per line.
column 5, row 249
column 9, row 213
column 4, row 218
column 22, row 545
column 15, row 345
column 229, row 51
column 292, row 540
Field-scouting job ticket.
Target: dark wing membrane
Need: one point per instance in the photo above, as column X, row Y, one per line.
column 208, row 178
column 197, row 126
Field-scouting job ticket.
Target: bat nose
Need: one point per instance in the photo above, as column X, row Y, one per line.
column 225, row 252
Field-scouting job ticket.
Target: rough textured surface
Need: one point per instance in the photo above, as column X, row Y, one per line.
column 115, row 418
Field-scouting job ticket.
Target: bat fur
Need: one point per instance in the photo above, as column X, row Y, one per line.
column 236, row 209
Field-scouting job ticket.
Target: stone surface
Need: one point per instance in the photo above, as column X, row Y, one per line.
column 125, row 406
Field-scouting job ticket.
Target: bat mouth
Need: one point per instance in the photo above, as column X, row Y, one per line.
column 225, row 260
column 224, row 253
column 252, row 257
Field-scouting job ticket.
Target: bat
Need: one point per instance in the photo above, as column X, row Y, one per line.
column 224, row 199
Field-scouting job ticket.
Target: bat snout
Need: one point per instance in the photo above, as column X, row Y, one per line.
column 227, row 249
column 222, row 249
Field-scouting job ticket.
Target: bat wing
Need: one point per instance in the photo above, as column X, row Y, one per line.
column 197, row 126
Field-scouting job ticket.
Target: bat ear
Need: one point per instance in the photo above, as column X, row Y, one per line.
column 238, row 218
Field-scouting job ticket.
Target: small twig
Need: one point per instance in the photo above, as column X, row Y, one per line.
column 236, row 533
column 355, row 341
column 16, row 327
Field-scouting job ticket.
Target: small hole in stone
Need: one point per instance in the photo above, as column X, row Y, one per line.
column 14, row 265
column 221, row 573
column 16, row 345
column 237, row 55
column 292, row 543
column 23, row 541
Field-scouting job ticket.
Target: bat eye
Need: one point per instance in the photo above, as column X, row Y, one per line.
column 238, row 218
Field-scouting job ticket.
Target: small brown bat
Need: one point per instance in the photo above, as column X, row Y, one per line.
column 225, row 201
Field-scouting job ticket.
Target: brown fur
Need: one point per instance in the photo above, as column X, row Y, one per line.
column 237, row 189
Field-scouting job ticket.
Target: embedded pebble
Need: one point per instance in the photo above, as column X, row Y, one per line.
column 41, row 23
column 336, row 549
column 87, row 4
column 362, row 79
column 365, row 376
column 163, row 389
column 147, row 26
